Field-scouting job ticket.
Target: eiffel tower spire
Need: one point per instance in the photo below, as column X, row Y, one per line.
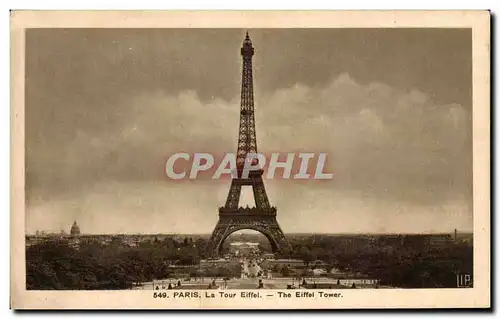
column 262, row 217
column 247, row 141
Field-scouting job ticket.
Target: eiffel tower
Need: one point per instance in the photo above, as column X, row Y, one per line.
column 262, row 217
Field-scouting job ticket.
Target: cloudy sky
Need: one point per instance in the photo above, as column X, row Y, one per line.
column 392, row 108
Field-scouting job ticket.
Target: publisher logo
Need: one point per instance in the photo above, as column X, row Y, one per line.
column 464, row 281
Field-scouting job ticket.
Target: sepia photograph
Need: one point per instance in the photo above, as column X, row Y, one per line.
column 251, row 164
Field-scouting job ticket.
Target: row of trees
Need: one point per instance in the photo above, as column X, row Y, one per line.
column 57, row 265
column 411, row 264
column 432, row 268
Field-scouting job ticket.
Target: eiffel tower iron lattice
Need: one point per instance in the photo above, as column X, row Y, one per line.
column 262, row 217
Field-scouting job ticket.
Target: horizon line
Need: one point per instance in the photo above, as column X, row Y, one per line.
column 291, row 233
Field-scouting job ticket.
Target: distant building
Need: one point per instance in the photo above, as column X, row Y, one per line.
column 285, row 262
column 337, row 272
column 319, row 271
column 74, row 243
column 439, row 240
column 131, row 242
column 241, row 248
column 217, row 263
column 75, row 229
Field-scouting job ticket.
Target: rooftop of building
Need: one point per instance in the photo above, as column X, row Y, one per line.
column 239, row 243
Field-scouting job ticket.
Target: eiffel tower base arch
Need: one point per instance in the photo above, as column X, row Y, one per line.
column 247, row 218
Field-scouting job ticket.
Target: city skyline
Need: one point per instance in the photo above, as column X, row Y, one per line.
column 207, row 234
column 104, row 108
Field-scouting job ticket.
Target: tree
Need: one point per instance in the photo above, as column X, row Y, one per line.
column 285, row 271
column 306, row 255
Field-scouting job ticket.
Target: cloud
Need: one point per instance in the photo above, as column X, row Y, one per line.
column 380, row 139
column 396, row 156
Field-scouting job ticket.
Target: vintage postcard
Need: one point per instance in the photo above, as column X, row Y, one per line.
column 250, row 160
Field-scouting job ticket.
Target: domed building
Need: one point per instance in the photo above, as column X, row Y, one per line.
column 75, row 229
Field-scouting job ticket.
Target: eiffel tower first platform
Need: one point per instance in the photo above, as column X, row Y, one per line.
column 262, row 217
